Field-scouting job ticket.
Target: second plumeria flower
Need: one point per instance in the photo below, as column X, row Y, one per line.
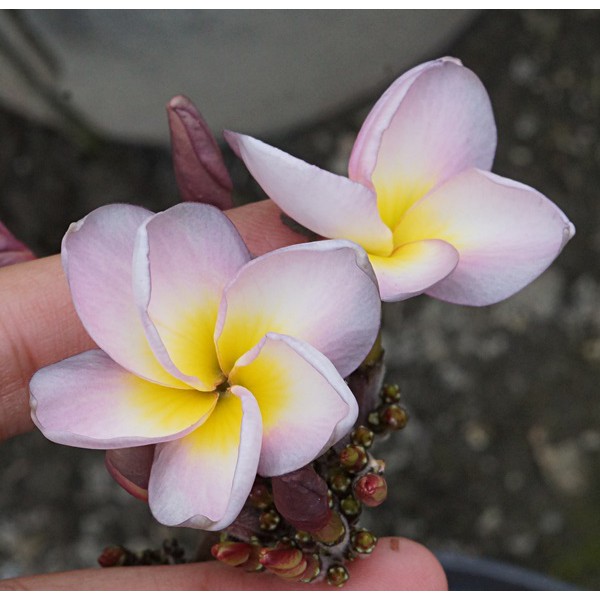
column 419, row 197
column 230, row 366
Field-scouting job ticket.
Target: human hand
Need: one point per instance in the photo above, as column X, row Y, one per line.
column 40, row 327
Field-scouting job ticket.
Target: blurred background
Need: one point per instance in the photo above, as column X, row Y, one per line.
column 501, row 457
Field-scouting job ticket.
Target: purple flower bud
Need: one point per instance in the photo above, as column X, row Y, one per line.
column 199, row 168
column 12, row 251
column 301, row 498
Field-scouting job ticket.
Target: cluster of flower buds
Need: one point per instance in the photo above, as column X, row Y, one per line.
column 304, row 526
column 170, row 553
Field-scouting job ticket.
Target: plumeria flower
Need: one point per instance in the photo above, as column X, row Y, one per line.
column 419, row 197
column 229, row 366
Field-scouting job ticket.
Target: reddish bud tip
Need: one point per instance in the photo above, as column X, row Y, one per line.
column 371, row 489
column 282, row 559
column 394, row 417
column 233, row 554
column 337, row 575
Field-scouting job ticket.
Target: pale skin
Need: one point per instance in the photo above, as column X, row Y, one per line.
column 39, row 326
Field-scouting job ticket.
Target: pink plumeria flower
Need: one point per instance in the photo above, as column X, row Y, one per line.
column 420, row 198
column 231, row 366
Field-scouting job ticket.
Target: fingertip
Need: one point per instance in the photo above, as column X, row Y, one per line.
column 262, row 228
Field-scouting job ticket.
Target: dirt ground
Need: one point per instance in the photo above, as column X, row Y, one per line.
column 502, row 454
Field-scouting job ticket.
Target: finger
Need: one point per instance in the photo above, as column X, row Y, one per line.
column 39, row 326
column 396, row 564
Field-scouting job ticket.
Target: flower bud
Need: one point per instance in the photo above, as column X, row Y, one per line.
column 301, row 498
column 363, row 541
column 339, row 481
column 353, row 458
column 394, row 417
column 371, row 489
column 350, row 506
column 313, row 568
column 282, row 559
column 390, row 393
column 12, row 251
column 363, row 436
column 269, row 520
column 333, row 531
column 233, row 554
column 113, row 556
column 337, row 575
column 199, row 168
column 260, row 497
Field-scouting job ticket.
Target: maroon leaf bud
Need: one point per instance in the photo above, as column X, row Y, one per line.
column 371, row 489
column 301, row 498
column 199, row 168
column 353, row 458
column 233, row 554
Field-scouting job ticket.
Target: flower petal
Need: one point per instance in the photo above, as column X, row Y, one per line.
column 323, row 293
column 183, row 259
column 328, row 204
column 431, row 124
column 306, row 406
column 89, row 401
column 506, row 234
column 130, row 468
column 97, row 257
column 203, row 479
column 199, row 168
column 413, row 268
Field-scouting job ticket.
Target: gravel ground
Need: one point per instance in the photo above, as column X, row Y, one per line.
column 502, row 454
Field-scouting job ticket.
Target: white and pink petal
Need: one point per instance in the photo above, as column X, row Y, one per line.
column 89, row 401
column 430, row 128
column 506, row 234
column 324, row 293
column 183, row 259
column 413, row 268
column 97, row 254
column 203, row 479
column 306, row 406
column 328, row 204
